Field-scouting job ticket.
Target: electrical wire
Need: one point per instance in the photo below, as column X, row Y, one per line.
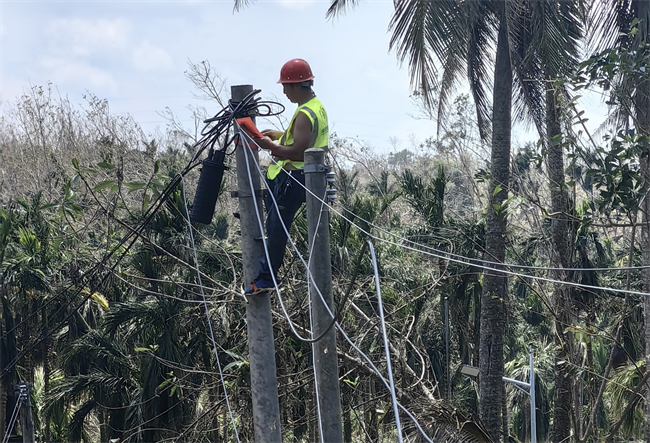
column 245, row 142
column 477, row 261
column 383, row 380
column 133, row 233
column 465, row 260
column 248, row 151
column 222, row 121
column 211, row 136
column 389, row 369
column 207, row 314
column 471, row 261
column 339, row 328
column 453, row 260
column 468, row 261
column 496, row 270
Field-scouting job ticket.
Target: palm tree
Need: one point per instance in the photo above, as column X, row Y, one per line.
column 458, row 36
column 128, row 367
column 28, row 258
column 540, row 44
column 8, row 343
column 553, row 31
column 99, row 377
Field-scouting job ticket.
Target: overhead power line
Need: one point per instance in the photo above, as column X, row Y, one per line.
column 478, row 263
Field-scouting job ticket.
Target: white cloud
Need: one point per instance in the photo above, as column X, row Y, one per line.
column 83, row 37
column 147, row 57
column 124, row 51
column 69, row 72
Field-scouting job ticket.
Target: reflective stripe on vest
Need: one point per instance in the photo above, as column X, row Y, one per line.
column 319, row 135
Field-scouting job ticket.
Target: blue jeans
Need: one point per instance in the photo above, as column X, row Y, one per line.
column 289, row 196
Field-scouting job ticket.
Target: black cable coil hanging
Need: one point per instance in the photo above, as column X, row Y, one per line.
column 208, row 188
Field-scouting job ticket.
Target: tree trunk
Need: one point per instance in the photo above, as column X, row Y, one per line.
column 561, row 257
column 103, row 426
column 27, row 322
column 506, row 422
column 213, row 434
column 347, row 425
column 371, row 414
column 3, row 409
column 495, row 287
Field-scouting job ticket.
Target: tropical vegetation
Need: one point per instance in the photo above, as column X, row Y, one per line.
column 129, row 330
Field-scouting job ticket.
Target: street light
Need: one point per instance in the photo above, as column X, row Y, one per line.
column 527, row 388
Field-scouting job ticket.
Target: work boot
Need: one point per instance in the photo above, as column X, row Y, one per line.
column 259, row 285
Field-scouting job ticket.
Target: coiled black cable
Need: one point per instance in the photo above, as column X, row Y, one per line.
column 222, row 121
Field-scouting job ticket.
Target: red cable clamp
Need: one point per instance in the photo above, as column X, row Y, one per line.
column 247, row 125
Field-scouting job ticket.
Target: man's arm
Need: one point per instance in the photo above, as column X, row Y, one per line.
column 301, row 137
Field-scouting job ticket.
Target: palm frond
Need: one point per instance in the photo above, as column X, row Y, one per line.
column 444, row 423
column 608, row 18
column 339, row 7
column 241, row 4
column 77, row 431
column 544, row 45
column 617, row 396
column 423, row 32
column 425, row 199
column 481, row 28
column 103, row 351
column 454, row 65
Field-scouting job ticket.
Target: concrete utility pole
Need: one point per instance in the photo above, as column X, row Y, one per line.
column 320, row 267
column 26, row 422
column 261, row 350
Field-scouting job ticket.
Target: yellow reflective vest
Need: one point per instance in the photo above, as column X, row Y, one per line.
column 315, row 112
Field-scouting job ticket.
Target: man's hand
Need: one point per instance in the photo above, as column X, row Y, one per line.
column 266, row 143
column 272, row 134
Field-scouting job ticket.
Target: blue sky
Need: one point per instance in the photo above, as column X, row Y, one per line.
column 135, row 53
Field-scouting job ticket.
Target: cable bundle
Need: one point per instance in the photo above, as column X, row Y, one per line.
column 211, row 177
column 222, row 121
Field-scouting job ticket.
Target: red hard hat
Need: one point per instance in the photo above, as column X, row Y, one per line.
column 295, row 71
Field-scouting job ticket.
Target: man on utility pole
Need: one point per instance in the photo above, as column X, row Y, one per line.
column 261, row 352
column 285, row 178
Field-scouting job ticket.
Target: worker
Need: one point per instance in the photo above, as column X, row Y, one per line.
column 285, row 178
